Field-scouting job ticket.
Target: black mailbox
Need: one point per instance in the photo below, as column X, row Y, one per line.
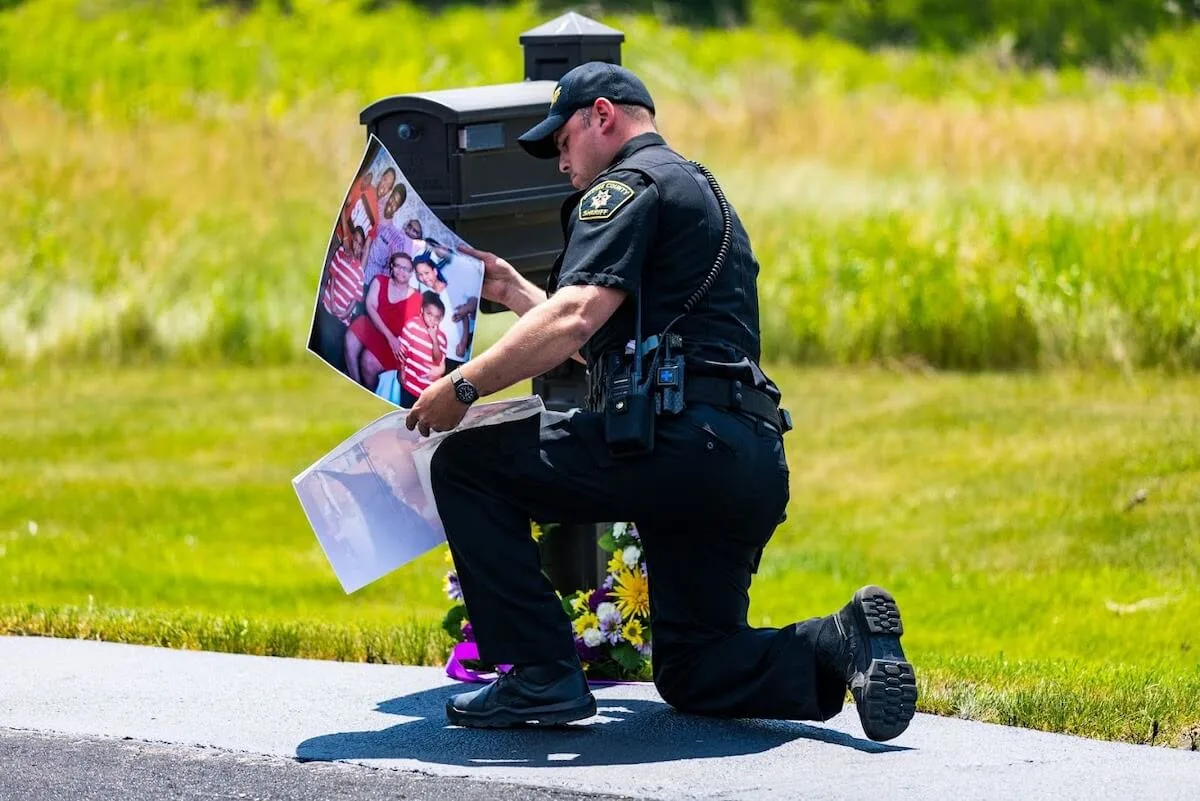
column 568, row 41
column 459, row 150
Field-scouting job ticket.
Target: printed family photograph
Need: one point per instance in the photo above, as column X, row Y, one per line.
column 397, row 302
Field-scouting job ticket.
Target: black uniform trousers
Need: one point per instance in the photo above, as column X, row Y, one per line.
column 705, row 502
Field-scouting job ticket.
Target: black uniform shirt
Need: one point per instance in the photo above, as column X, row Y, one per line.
column 651, row 223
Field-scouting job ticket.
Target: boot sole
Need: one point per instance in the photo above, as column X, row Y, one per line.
column 506, row 718
column 886, row 694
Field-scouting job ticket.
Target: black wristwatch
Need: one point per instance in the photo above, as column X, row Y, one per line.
column 464, row 390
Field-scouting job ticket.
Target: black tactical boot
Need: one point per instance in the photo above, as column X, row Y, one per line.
column 545, row 694
column 870, row 657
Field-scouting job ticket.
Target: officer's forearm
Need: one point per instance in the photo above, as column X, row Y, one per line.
column 523, row 295
column 545, row 337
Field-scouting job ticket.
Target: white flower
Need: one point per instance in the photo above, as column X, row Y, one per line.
column 618, row 530
column 592, row 637
column 610, row 627
column 631, row 555
column 608, row 612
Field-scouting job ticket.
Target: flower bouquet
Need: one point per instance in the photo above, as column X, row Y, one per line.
column 611, row 623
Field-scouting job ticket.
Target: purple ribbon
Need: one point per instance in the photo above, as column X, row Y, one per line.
column 466, row 652
column 469, row 651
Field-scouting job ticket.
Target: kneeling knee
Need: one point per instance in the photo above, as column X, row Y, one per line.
column 675, row 688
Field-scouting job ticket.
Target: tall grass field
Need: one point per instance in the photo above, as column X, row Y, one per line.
column 170, row 176
column 980, row 292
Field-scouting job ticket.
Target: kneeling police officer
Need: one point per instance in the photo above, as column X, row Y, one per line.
column 656, row 291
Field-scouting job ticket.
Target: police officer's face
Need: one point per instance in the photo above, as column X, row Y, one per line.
column 581, row 152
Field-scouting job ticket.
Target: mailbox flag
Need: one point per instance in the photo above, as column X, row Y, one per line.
column 396, row 302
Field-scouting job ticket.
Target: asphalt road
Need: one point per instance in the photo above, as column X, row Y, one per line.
column 227, row 724
column 57, row 767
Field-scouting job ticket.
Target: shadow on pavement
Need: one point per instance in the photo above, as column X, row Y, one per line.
column 623, row 732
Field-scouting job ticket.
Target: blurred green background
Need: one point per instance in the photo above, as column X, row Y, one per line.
column 978, row 225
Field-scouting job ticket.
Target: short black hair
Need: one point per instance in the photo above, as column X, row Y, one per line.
column 431, row 299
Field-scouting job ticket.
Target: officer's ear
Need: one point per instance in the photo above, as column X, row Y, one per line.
column 605, row 112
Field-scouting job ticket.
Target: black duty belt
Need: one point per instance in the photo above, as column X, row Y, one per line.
column 738, row 396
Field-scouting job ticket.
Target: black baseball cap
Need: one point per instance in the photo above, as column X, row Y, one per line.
column 580, row 88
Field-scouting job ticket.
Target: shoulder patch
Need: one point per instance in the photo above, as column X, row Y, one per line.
column 603, row 200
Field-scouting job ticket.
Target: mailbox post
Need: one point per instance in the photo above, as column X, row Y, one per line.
column 459, row 150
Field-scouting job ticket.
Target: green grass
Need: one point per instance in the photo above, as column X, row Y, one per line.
column 154, row 505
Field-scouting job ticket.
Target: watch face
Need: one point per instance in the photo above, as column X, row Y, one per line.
column 465, row 392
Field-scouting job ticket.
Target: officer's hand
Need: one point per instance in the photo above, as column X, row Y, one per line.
column 436, row 409
column 499, row 277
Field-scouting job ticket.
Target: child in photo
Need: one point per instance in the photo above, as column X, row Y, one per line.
column 341, row 293
column 423, row 349
column 429, row 276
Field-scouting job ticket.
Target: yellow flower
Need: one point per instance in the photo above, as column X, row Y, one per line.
column 616, row 564
column 588, row 621
column 633, row 631
column 632, row 592
column 449, row 556
column 580, row 603
column 537, row 533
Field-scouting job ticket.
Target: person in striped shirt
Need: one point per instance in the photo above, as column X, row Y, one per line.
column 341, row 290
column 423, row 349
column 344, row 278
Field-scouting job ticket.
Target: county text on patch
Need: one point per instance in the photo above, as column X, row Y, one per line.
column 603, row 200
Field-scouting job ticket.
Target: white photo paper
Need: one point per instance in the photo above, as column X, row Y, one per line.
column 370, row 500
